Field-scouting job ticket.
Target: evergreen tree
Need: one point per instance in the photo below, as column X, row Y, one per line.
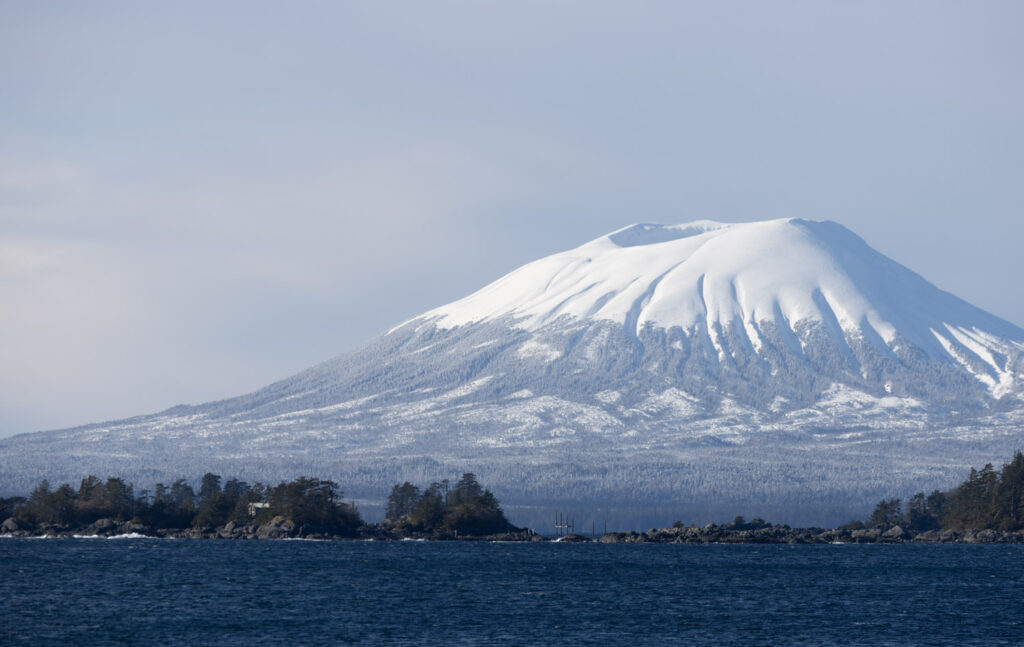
column 1011, row 494
column 988, row 509
column 466, row 491
column 10, row 505
column 401, row 501
column 886, row 514
column 210, row 486
column 937, row 505
column 918, row 517
column 63, row 505
column 173, row 507
column 428, row 513
column 90, row 500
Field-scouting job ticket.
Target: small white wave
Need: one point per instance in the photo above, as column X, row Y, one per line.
column 132, row 535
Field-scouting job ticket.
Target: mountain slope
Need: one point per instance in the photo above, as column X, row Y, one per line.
column 783, row 365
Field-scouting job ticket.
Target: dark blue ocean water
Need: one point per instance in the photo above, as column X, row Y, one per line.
column 201, row 592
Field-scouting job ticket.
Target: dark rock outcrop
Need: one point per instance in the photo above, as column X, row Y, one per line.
column 277, row 528
column 574, row 539
column 12, row 526
column 102, row 527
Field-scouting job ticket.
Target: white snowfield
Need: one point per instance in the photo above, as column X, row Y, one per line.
column 714, row 275
column 781, row 369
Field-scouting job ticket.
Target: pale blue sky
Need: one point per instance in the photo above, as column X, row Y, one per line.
column 197, row 200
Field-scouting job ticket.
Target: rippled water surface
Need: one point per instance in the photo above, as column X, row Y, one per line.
column 179, row 592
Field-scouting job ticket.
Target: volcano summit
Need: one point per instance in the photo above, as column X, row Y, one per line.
column 777, row 368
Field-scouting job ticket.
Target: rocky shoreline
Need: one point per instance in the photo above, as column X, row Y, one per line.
column 280, row 528
column 277, row 528
column 714, row 534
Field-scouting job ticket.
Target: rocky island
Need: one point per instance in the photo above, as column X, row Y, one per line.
column 988, row 507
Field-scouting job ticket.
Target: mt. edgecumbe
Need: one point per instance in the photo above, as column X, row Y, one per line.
column 779, row 368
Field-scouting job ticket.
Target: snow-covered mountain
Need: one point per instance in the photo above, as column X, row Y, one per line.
column 778, row 368
column 741, row 296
